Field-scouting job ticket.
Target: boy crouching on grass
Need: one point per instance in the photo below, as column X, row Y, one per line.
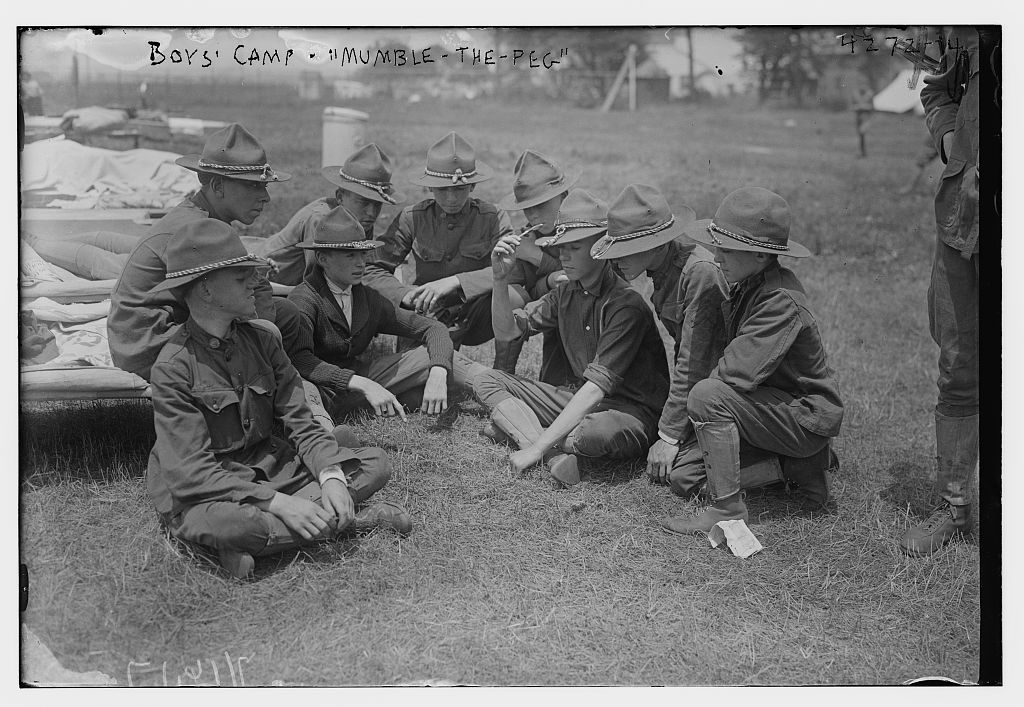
column 772, row 388
column 615, row 374
column 218, row 476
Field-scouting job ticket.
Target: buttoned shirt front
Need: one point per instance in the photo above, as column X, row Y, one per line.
column 607, row 336
column 343, row 296
column 215, row 401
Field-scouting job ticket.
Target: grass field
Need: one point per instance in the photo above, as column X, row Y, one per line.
column 505, row 582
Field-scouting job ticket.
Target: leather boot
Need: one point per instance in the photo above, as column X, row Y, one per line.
column 515, row 418
column 494, row 434
column 946, row 522
column 956, row 454
column 731, row 508
column 238, row 564
column 564, row 470
column 383, row 514
column 810, row 474
column 720, row 444
column 506, row 354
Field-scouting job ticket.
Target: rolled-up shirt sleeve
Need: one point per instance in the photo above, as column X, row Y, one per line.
column 380, row 271
column 761, row 343
column 185, row 461
column 622, row 334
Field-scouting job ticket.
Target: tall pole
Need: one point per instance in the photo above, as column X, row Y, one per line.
column 689, row 54
column 74, row 78
column 631, row 58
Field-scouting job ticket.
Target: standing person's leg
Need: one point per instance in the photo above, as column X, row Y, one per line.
column 722, row 417
column 953, row 319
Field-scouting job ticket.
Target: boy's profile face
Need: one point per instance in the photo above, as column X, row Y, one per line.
column 342, row 267
column 544, row 215
column 242, row 200
column 452, row 199
column 738, row 265
column 633, row 266
column 365, row 210
column 576, row 261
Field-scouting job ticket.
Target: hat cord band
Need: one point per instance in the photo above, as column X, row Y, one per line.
column 265, row 168
column 646, row 232
column 561, row 228
column 211, row 266
column 382, row 189
column 367, row 245
column 456, row 176
column 712, row 227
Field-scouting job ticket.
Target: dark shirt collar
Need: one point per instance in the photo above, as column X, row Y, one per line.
column 200, row 200
column 457, row 215
column 754, row 280
column 207, row 339
column 675, row 258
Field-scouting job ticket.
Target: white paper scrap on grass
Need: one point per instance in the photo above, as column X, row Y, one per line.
column 737, row 536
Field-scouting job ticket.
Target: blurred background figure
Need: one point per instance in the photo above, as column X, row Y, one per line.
column 863, row 109
column 31, row 95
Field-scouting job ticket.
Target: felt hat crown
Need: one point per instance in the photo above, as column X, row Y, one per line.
column 452, row 162
column 339, row 230
column 581, row 215
column 640, row 219
column 366, row 172
column 537, row 179
column 233, row 152
column 750, row 218
column 201, row 247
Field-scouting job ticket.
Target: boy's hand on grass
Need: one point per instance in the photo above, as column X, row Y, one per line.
column 381, row 400
column 337, row 501
column 660, row 459
column 435, row 391
column 310, row 520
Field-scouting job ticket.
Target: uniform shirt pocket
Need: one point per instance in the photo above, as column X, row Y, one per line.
column 220, row 408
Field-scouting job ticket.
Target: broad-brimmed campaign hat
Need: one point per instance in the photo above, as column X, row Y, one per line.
column 751, row 218
column 638, row 220
column 233, row 152
column 537, row 179
column 366, row 172
column 201, row 247
column 581, row 215
column 339, row 230
column 452, row 162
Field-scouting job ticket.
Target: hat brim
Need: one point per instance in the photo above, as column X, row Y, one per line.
column 483, row 173
column 191, row 162
column 607, row 248
column 509, row 203
column 171, row 283
column 330, row 173
column 353, row 245
column 698, row 231
column 570, row 235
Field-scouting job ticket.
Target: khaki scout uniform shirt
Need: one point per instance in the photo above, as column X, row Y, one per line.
column 442, row 245
column 774, row 341
column 214, row 406
column 607, row 336
column 140, row 323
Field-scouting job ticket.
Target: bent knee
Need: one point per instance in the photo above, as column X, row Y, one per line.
column 704, row 401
